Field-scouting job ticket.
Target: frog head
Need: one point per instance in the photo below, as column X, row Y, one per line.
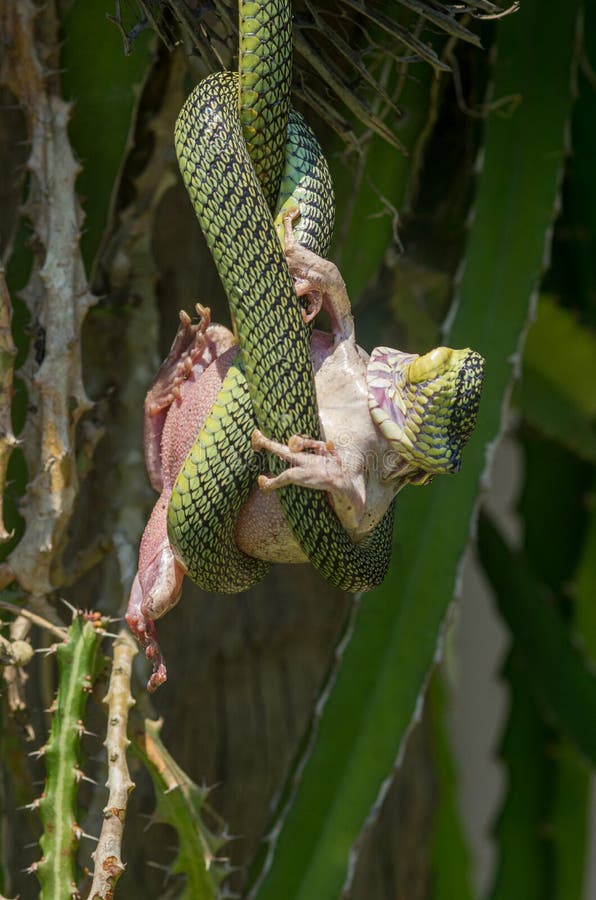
column 425, row 406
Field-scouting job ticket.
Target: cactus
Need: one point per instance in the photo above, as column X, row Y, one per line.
column 79, row 663
column 108, row 855
column 181, row 803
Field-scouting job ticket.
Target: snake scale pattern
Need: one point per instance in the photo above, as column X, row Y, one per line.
column 272, row 384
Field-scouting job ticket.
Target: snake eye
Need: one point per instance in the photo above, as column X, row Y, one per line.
column 427, row 367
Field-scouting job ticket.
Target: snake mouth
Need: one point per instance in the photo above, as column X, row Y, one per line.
column 426, row 406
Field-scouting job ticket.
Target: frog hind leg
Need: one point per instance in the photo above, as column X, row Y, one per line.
column 158, row 583
column 195, row 347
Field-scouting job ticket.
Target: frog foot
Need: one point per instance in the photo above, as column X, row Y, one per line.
column 185, row 352
column 319, row 281
column 155, row 590
column 316, row 465
column 144, row 630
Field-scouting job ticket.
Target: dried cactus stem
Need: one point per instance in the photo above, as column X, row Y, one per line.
column 78, row 660
column 7, row 356
column 108, row 856
column 57, row 297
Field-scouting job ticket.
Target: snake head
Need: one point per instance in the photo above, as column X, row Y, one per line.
column 426, row 406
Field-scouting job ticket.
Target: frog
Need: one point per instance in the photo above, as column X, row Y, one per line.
column 384, row 424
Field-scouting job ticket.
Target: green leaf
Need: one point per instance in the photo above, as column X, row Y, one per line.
column 585, row 591
column 557, row 392
column 546, row 798
column 577, row 263
column 570, row 823
column 522, row 871
column 450, row 853
column 105, row 87
column 383, row 673
column 556, row 669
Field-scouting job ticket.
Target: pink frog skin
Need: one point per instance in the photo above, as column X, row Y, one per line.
column 381, row 418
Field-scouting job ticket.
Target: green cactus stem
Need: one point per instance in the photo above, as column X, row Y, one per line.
column 181, row 804
column 79, row 663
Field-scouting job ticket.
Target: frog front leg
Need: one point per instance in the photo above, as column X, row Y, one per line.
column 316, row 465
column 320, row 281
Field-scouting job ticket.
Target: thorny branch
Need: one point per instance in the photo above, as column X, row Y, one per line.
column 15, row 656
column 108, row 861
column 57, row 630
column 7, row 355
column 56, row 295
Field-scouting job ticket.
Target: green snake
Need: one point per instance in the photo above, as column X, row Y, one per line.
column 232, row 145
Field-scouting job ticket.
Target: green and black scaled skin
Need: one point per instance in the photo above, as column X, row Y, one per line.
column 275, row 375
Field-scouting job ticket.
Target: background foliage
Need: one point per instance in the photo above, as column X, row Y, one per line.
column 324, row 721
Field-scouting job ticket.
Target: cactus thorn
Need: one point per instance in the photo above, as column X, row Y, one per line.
column 82, row 730
column 74, row 611
column 47, row 651
column 87, row 778
column 165, row 869
column 161, row 866
column 206, row 789
column 172, row 788
column 151, row 820
column 79, row 833
column 31, row 806
column 37, row 754
column 30, row 870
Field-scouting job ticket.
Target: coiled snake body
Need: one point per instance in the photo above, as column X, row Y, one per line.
column 273, row 387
